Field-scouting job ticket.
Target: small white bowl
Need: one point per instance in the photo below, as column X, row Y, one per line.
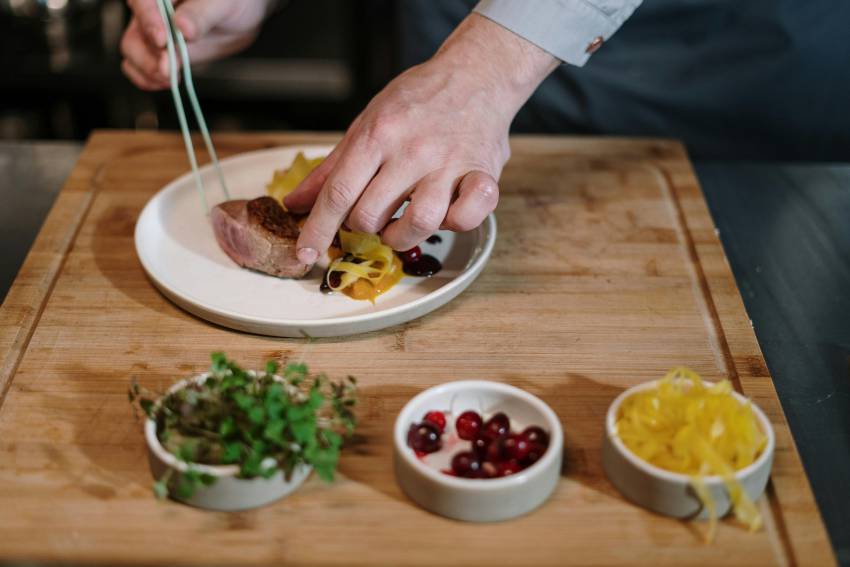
column 671, row 493
column 228, row 492
column 478, row 500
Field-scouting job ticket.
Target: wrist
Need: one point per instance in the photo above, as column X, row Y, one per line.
column 507, row 66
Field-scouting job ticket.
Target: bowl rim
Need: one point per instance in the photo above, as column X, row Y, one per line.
column 554, row 451
column 614, row 438
column 171, row 460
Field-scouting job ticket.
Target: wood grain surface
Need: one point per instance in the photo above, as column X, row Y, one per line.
column 607, row 272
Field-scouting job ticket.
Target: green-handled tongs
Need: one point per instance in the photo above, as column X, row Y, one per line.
column 174, row 36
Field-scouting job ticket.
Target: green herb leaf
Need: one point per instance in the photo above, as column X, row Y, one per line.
column 147, row 406
column 232, row 452
column 160, row 490
column 227, row 427
column 256, row 414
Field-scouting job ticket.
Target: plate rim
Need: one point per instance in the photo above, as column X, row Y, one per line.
column 466, row 276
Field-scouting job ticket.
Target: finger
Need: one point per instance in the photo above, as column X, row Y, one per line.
column 150, row 21
column 424, row 214
column 344, row 185
column 381, row 199
column 478, row 195
column 140, row 79
column 196, row 18
column 141, row 54
column 304, row 196
column 216, row 46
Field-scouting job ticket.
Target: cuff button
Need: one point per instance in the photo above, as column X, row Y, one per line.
column 595, row 44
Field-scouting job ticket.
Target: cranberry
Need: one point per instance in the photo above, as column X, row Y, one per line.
column 517, row 446
column 468, row 424
column 437, row 418
column 466, row 464
column 424, row 437
column 410, row 256
column 489, row 470
column 497, row 426
column 480, row 444
column 498, row 450
column 533, row 455
column 536, row 436
column 508, row 468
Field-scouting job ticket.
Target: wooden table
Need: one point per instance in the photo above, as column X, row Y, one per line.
column 607, row 272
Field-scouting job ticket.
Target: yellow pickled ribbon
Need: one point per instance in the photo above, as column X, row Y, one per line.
column 285, row 181
column 376, row 259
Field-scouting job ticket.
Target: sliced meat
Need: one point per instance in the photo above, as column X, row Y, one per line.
column 259, row 235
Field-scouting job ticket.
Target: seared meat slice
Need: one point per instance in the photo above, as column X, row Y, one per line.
column 259, row 235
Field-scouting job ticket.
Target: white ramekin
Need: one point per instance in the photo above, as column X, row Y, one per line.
column 477, row 500
column 228, row 492
column 671, row 493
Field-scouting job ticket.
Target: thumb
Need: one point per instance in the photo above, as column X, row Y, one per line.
column 196, row 18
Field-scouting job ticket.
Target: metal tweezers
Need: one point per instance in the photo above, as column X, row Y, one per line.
column 174, row 36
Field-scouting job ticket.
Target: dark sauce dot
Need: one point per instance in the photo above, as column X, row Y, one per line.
column 425, row 267
column 335, row 279
column 434, row 239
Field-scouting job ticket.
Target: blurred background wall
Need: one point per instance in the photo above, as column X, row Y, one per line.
column 314, row 65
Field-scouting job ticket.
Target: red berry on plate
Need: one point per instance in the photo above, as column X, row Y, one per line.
column 480, row 444
column 466, row 464
column 424, row 437
column 468, row 424
column 536, row 436
column 508, row 468
column 497, row 426
column 437, row 418
column 410, row 256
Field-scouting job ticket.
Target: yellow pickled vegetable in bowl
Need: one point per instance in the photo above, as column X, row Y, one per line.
column 688, row 448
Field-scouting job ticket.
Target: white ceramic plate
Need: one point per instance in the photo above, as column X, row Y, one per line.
column 176, row 246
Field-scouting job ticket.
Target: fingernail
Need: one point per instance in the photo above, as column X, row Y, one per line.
column 307, row 255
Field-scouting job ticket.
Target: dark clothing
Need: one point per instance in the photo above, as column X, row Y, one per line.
column 733, row 79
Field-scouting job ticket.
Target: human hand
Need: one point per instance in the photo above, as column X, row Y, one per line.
column 212, row 29
column 436, row 135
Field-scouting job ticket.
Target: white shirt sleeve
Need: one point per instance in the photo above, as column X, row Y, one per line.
column 571, row 30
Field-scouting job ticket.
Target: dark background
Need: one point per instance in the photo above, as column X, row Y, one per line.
column 315, row 64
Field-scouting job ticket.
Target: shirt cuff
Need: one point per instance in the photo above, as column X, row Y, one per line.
column 571, row 30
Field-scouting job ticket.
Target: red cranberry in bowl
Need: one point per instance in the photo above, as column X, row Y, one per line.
column 498, row 450
column 424, row 437
column 466, row 464
column 437, row 418
column 480, row 444
column 536, row 436
column 508, row 468
column 517, row 446
column 533, row 455
column 468, row 424
column 497, row 425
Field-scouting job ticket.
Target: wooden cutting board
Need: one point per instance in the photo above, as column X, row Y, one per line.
column 607, row 272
